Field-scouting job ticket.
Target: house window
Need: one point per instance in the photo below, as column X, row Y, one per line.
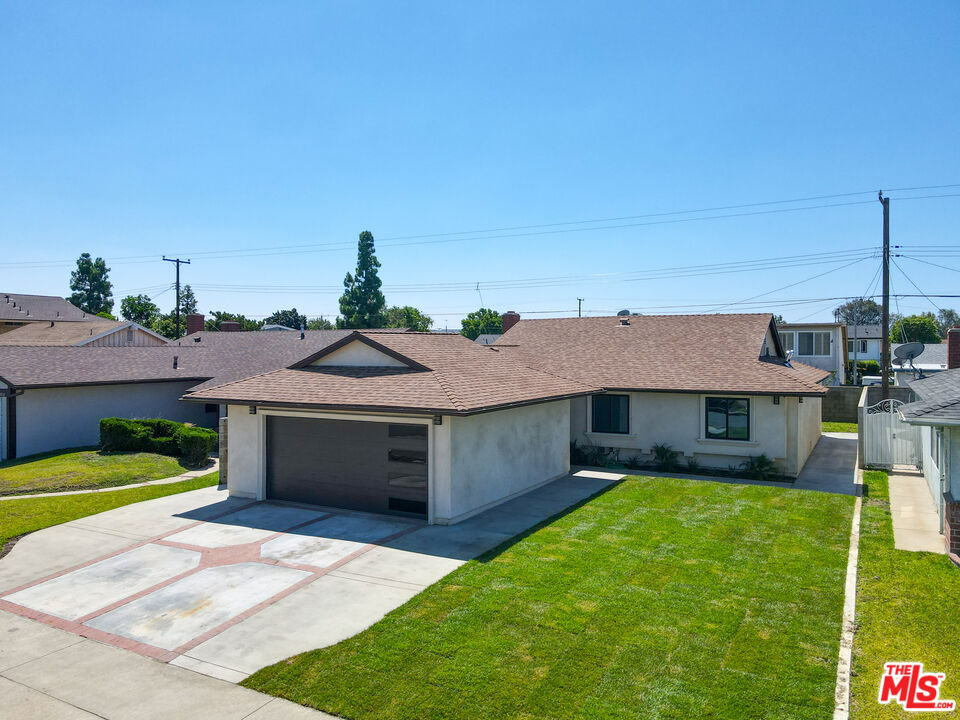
column 398, row 431
column 417, row 457
column 727, row 418
column 813, row 343
column 786, row 339
column 611, row 414
column 129, row 335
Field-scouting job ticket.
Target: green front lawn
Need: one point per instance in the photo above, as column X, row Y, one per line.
column 906, row 609
column 839, row 427
column 24, row 515
column 658, row 598
column 83, row 469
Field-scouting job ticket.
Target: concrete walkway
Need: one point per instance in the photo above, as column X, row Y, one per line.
column 832, row 466
column 916, row 524
column 188, row 475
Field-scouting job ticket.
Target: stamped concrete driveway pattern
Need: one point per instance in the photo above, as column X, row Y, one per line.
column 224, row 586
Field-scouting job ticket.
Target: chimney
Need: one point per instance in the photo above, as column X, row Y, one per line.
column 510, row 319
column 953, row 348
column 229, row 326
column 194, row 323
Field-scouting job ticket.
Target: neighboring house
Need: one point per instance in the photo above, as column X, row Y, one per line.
column 421, row 424
column 17, row 310
column 716, row 388
column 54, row 397
column 932, row 360
column 937, row 411
column 822, row 345
column 865, row 342
column 487, row 338
column 98, row 332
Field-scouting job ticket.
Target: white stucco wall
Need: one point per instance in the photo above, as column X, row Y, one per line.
column 809, row 429
column 779, row 431
column 244, row 452
column 497, row 455
column 57, row 418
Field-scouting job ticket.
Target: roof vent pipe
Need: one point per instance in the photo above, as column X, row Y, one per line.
column 176, row 359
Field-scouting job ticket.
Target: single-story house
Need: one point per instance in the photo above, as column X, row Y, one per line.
column 716, row 388
column 53, row 397
column 822, row 345
column 97, row 332
column 937, row 412
column 422, row 424
column 17, row 310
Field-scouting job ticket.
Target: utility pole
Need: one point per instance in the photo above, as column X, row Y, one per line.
column 579, row 306
column 179, row 262
column 885, row 318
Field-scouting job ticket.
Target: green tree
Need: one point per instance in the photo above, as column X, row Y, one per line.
column 319, row 323
column 92, row 291
column 219, row 316
column 408, row 317
column 362, row 303
column 141, row 309
column 481, row 322
column 859, row 312
column 916, row 328
column 188, row 301
column 946, row 319
column 778, row 320
column 288, row 318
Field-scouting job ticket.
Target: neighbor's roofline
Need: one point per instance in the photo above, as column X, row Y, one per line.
column 357, row 336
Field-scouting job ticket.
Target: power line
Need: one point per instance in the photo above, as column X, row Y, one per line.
column 540, row 229
column 915, row 285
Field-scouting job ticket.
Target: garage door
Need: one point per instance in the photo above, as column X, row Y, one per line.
column 374, row 467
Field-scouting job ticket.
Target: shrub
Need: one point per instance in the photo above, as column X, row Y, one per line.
column 665, row 457
column 760, row 467
column 123, row 435
column 593, row 455
column 196, row 444
column 693, row 465
column 157, row 435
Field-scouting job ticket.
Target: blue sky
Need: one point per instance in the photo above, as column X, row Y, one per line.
column 224, row 131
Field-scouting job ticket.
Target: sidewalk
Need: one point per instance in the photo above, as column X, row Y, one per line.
column 916, row 524
column 189, row 475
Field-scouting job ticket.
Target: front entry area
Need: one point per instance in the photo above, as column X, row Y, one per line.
column 369, row 466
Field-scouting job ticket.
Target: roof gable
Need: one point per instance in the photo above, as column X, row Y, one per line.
column 357, row 350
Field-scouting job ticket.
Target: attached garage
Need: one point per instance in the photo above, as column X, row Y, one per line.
column 370, row 466
column 422, row 425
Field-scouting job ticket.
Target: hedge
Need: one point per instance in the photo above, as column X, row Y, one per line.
column 164, row 437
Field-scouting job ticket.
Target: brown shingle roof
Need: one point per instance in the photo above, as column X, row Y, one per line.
column 60, row 333
column 449, row 374
column 679, row 353
column 36, row 308
column 210, row 361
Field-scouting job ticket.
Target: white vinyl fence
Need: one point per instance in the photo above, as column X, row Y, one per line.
column 887, row 440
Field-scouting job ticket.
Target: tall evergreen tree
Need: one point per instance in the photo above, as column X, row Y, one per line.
column 92, row 291
column 362, row 304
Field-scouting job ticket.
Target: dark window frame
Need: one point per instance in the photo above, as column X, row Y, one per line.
column 612, row 418
column 726, row 411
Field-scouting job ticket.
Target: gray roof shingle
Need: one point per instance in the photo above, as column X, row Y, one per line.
column 939, row 400
column 37, row 308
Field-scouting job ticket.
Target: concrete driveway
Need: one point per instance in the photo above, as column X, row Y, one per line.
column 223, row 586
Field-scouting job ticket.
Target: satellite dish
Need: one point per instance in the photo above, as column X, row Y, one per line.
column 908, row 351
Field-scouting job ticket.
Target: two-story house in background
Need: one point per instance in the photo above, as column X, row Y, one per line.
column 822, row 345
